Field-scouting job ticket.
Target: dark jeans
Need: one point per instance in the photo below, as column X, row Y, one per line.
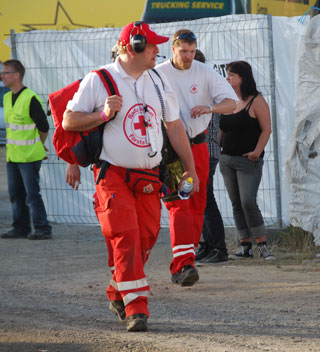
column 242, row 179
column 25, row 197
column 213, row 229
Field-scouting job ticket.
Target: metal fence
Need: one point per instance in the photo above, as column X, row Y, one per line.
column 54, row 59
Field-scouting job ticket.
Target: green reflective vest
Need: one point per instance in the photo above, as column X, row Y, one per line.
column 23, row 138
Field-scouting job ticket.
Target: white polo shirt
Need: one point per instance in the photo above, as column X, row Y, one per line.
column 125, row 139
column 199, row 85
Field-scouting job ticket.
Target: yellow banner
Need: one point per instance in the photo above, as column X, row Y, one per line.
column 281, row 7
column 27, row 15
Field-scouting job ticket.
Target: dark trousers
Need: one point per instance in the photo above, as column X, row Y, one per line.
column 242, row 178
column 25, row 197
column 213, row 228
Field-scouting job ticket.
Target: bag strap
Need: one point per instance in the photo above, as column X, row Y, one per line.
column 109, row 84
column 108, row 81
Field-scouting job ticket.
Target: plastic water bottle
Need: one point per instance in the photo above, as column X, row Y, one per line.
column 186, row 188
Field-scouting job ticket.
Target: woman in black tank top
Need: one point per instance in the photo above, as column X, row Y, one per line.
column 244, row 135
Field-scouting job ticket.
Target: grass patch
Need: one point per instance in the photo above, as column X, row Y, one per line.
column 296, row 239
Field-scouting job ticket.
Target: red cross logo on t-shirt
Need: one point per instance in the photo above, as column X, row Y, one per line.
column 194, row 88
column 135, row 125
column 141, row 125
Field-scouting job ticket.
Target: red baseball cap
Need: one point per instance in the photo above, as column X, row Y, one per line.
column 140, row 28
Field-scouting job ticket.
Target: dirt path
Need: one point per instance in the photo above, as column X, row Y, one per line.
column 52, row 297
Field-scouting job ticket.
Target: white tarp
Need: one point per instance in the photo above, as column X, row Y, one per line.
column 303, row 158
column 287, row 37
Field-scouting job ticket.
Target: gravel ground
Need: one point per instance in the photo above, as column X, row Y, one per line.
column 52, row 298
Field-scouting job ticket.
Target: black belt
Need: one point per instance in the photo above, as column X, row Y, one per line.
column 200, row 138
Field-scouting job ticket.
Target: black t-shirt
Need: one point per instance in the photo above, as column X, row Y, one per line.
column 241, row 132
column 36, row 112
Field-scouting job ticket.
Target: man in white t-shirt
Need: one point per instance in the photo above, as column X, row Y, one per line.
column 127, row 200
column 201, row 91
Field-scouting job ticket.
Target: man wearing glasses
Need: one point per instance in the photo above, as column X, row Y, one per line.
column 27, row 129
column 201, row 91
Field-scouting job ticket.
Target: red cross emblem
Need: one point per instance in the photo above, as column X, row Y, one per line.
column 194, row 89
column 141, row 125
column 135, row 125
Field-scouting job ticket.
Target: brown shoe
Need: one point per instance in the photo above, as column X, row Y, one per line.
column 117, row 308
column 137, row 322
column 188, row 276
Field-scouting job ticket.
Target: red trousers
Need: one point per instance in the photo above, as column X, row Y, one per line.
column 129, row 210
column 186, row 216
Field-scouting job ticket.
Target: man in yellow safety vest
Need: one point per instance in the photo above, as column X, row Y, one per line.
column 27, row 129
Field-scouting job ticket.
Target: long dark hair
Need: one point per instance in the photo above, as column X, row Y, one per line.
column 248, row 85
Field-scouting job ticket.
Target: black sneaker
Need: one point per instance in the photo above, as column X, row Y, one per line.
column 117, row 308
column 137, row 322
column 215, row 256
column 202, row 252
column 40, row 235
column 244, row 252
column 188, row 276
column 14, row 234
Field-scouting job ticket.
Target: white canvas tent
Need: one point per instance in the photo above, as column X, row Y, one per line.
column 303, row 158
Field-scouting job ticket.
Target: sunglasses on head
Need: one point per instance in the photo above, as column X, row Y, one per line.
column 186, row 35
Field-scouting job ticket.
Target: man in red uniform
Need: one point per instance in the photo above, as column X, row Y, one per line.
column 200, row 91
column 127, row 200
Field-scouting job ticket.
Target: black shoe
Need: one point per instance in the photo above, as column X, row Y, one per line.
column 117, row 307
column 244, row 252
column 40, row 235
column 137, row 322
column 14, row 234
column 188, row 276
column 202, row 252
column 215, row 256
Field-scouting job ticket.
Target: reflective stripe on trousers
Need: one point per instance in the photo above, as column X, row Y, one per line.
column 130, row 226
column 186, row 216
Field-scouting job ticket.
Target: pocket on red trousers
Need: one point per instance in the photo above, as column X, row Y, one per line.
column 114, row 212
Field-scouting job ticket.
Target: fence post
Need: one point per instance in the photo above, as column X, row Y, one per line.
column 13, row 44
column 274, row 122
